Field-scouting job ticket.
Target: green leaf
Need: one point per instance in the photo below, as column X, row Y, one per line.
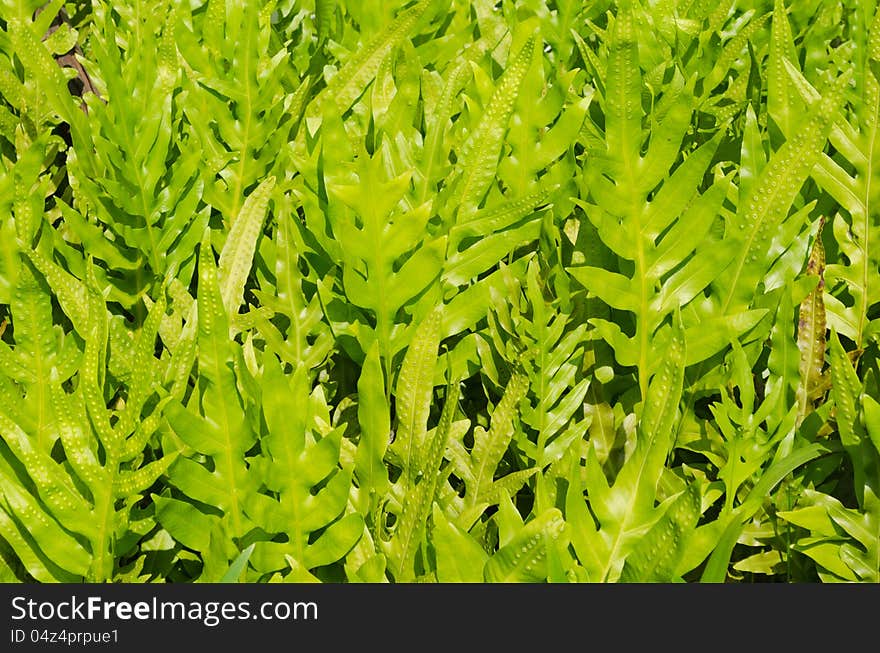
column 657, row 556
column 418, row 499
column 625, row 510
column 716, row 568
column 480, row 153
column 524, row 558
column 413, row 391
column 460, row 558
column 375, row 423
column 351, row 80
column 238, row 565
column 236, row 257
column 765, row 209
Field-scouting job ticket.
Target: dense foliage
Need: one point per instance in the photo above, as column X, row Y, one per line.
column 448, row 290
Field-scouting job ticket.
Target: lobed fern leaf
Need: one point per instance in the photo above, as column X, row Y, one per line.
column 656, row 226
column 83, row 503
column 215, row 426
column 296, row 458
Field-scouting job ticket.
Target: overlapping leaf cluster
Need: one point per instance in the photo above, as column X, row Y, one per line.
column 439, row 290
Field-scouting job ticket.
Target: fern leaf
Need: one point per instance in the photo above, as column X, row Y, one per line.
column 295, row 459
column 656, row 557
column 375, row 237
column 375, row 422
column 845, row 175
column 480, row 154
column 715, row 570
column 478, row 467
column 351, row 80
column 220, row 428
column 308, row 338
column 46, row 71
column 625, row 510
column 419, row 498
column 655, row 232
column 855, row 417
column 778, row 83
column 553, row 351
column 460, row 558
column 35, row 352
column 413, row 391
column 55, row 489
column 41, row 534
column 523, row 559
column 236, row 257
column 766, row 208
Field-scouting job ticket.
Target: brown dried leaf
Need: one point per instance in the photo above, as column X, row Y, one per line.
column 812, row 328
